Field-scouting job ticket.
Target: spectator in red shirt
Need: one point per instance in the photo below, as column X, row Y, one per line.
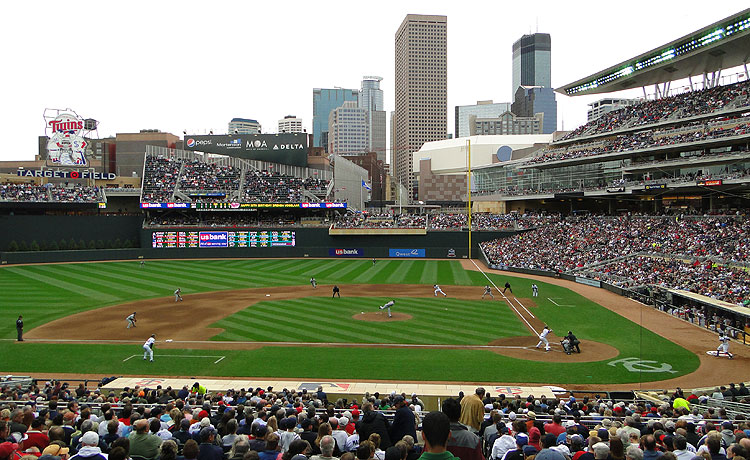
column 555, row 427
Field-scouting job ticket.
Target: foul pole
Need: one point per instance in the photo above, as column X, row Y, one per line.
column 468, row 188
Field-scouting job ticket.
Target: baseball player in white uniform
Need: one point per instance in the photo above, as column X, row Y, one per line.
column 143, row 263
column 313, row 283
column 131, row 320
column 534, row 290
column 148, row 348
column 543, row 338
column 437, row 289
column 177, row 294
column 488, row 290
column 723, row 345
column 388, row 306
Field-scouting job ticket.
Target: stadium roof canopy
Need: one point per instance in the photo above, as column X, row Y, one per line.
column 722, row 45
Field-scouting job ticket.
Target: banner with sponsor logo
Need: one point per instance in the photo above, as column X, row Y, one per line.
column 406, row 253
column 588, row 281
column 212, row 239
column 60, row 174
column 346, row 252
column 654, row 186
column 240, row 206
column 287, row 148
column 710, row 183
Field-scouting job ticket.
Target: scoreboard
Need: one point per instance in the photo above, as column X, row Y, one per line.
column 223, row 239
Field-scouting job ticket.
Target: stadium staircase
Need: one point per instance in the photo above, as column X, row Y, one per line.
column 733, row 409
column 176, row 192
column 307, row 194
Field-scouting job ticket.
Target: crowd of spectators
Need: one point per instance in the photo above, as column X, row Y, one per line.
column 680, row 106
column 578, row 243
column 646, row 139
column 231, row 219
column 57, row 422
column 208, row 182
column 489, row 221
column 67, row 193
column 380, row 220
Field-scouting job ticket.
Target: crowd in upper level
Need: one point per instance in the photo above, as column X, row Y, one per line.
column 208, row 182
column 674, row 107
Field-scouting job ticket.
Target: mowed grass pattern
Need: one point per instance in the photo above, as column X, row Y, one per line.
column 43, row 293
column 314, row 319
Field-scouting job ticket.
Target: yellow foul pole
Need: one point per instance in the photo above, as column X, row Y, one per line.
column 468, row 189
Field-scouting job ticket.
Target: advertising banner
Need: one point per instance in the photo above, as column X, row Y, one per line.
column 212, row 239
column 406, row 253
column 346, row 252
column 286, row 148
column 588, row 281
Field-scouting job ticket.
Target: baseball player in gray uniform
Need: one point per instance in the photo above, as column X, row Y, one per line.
column 131, row 320
column 488, row 291
column 177, row 294
column 437, row 289
column 388, row 306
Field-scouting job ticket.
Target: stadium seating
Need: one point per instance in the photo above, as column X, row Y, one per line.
column 674, row 108
column 50, row 193
column 606, row 248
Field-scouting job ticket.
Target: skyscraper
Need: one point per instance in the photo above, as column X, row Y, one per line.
column 482, row 109
column 371, row 99
column 324, row 101
column 347, row 130
column 532, row 57
column 530, row 100
column 421, row 88
column 243, row 126
column 290, row 124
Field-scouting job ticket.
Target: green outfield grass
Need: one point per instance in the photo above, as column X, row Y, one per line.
column 46, row 292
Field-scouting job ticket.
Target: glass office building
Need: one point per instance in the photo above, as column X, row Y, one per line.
column 326, row 100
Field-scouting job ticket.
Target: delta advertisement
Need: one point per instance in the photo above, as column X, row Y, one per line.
column 287, row 148
column 406, row 253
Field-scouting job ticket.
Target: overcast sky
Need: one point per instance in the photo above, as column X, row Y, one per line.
column 195, row 65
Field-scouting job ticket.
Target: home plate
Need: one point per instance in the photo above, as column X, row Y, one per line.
column 168, row 340
column 268, row 295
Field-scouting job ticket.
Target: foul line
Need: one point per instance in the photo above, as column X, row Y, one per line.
column 179, row 356
column 507, row 299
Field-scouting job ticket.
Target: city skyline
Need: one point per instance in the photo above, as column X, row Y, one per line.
column 181, row 76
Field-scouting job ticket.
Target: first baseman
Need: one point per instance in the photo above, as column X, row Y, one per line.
column 488, row 290
column 148, row 348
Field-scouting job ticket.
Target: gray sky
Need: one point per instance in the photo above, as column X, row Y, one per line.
column 195, row 65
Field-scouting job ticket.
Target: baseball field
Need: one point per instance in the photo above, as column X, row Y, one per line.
column 262, row 318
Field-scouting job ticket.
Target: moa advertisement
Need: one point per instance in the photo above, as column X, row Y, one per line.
column 287, row 148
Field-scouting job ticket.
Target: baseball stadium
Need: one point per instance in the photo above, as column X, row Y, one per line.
column 597, row 276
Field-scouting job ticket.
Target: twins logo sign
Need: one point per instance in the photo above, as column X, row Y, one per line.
column 212, row 240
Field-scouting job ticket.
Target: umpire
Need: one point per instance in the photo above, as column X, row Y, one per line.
column 574, row 342
column 19, row 328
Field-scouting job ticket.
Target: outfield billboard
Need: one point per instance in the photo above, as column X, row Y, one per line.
column 406, row 252
column 287, row 148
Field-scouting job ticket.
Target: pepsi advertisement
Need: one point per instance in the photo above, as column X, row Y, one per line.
column 286, row 148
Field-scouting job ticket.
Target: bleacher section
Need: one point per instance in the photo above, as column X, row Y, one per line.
column 50, row 193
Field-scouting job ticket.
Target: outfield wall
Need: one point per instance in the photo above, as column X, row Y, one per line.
column 309, row 242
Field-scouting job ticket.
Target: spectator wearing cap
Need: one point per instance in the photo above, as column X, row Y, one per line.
column 286, row 432
column 436, row 429
column 69, row 419
column 89, row 448
column 472, row 410
column 549, row 440
column 7, row 449
column 182, row 434
column 375, row 422
column 503, row 444
column 530, row 419
column 727, row 433
column 521, row 441
column 142, row 442
column 339, row 434
column 462, row 443
column 601, row 451
column 208, row 449
column 535, row 438
column 56, row 451
column 403, row 420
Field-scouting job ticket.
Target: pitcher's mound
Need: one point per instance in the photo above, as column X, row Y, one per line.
column 378, row 316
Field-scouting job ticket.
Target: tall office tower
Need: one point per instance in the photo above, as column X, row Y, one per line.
column 531, row 100
column 421, row 88
column 371, row 99
column 290, row 124
column 482, row 109
column 324, row 101
column 392, row 153
column 347, row 130
column 243, row 126
column 532, row 57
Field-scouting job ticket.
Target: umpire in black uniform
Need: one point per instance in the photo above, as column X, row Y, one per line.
column 19, row 328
